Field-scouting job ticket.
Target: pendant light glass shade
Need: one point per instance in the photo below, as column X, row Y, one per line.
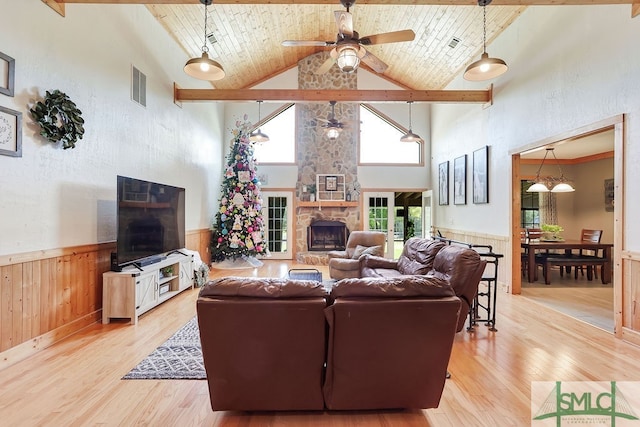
column 258, row 136
column 485, row 68
column 557, row 185
column 410, row 136
column 203, row 67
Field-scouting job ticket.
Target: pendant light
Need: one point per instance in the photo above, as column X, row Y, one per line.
column 203, row 67
column 485, row 68
column 410, row 136
column 542, row 184
column 258, row 136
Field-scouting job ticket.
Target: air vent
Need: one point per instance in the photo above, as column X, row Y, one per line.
column 138, row 87
column 212, row 39
column 454, row 42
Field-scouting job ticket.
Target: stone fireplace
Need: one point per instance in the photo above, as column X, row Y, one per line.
column 327, row 236
column 316, row 154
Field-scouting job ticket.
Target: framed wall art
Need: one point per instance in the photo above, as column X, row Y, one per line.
column 7, row 74
column 443, row 183
column 10, row 132
column 460, row 180
column 481, row 175
column 331, row 183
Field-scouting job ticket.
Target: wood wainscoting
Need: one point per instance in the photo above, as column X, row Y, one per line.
column 48, row 295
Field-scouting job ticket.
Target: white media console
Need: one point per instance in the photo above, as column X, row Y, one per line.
column 133, row 291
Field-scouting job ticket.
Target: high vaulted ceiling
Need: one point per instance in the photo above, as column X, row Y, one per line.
column 248, row 33
column 249, row 37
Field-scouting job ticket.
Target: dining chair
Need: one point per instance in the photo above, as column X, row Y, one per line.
column 588, row 236
column 533, row 233
column 524, row 256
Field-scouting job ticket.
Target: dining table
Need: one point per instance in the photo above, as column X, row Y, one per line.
column 532, row 246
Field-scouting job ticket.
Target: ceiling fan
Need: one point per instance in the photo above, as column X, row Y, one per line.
column 332, row 126
column 349, row 47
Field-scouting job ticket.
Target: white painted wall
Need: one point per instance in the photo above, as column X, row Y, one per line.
column 569, row 67
column 52, row 198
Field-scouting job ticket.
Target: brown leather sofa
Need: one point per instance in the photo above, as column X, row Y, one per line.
column 263, row 343
column 389, row 342
column 372, row 343
column 346, row 264
column 461, row 267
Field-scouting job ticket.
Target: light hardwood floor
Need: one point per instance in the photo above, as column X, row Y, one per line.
column 77, row 381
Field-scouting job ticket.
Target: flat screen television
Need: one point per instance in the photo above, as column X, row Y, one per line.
column 150, row 219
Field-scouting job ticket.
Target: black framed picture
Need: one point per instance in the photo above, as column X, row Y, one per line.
column 443, row 183
column 7, row 74
column 481, row 175
column 10, row 132
column 331, row 183
column 460, row 180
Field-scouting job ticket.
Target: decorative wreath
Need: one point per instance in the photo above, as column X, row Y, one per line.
column 59, row 118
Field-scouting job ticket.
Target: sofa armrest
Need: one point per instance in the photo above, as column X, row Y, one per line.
column 372, row 261
column 338, row 254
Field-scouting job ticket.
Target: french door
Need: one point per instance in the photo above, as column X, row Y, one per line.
column 427, row 222
column 379, row 216
column 277, row 213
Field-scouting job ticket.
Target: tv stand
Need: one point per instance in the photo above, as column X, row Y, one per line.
column 140, row 287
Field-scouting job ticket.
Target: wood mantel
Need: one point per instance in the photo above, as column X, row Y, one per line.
column 327, row 204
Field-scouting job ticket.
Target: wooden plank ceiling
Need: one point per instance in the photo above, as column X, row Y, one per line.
column 248, row 37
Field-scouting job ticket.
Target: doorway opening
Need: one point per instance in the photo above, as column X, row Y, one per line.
column 587, row 159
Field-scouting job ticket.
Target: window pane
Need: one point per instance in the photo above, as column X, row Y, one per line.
column 282, row 139
column 529, row 206
column 380, row 142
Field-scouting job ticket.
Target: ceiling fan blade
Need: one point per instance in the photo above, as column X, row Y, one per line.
column 391, row 37
column 344, row 21
column 290, row 43
column 326, row 65
column 374, row 62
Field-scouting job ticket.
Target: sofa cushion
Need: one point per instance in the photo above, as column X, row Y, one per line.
column 262, row 287
column 370, row 250
column 418, row 255
column 393, row 287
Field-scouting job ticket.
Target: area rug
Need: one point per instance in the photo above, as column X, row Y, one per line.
column 179, row 358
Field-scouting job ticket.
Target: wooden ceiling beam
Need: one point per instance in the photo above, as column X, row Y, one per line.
column 361, row 2
column 635, row 9
column 313, row 95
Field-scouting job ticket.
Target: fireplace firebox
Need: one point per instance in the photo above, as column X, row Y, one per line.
column 327, row 236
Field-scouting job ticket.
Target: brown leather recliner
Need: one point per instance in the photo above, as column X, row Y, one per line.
column 416, row 258
column 263, row 343
column 460, row 266
column 390, row 342
column 346, row 264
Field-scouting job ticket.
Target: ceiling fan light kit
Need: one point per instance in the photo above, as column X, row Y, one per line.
column 349, row 57
column 203, row 67
column 258, row 136
column 333, row 127
column 332, row 133
column 485, row 68
column 349, row 48
column 557, row 185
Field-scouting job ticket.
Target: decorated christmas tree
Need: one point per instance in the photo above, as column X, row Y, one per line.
column 238, row 230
